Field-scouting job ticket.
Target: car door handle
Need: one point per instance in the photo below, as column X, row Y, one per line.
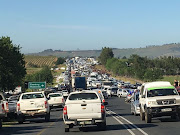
column 83, row 104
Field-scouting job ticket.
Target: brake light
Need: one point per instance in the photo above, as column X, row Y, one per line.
column 18, row 106
column 102, row 109
column 7, row 107
column 3, row 108
column 65, row 110
column 103, row 100
column 46, row 104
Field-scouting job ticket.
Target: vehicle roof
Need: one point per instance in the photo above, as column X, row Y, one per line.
column 83, row 91
column 55, row 93
column 157, row 84
column 32, row 92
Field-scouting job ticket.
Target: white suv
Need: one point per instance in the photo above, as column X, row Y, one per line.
column 158, row 99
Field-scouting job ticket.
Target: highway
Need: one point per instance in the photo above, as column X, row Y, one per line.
column 119, row 122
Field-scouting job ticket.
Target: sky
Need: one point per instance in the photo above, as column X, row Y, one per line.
column 66, row 25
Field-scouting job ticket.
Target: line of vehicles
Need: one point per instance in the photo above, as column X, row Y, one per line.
column 83, row 96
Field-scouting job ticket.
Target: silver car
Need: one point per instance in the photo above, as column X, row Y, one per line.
column 135, row 104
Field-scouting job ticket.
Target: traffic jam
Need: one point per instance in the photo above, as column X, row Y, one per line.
column 89, row 97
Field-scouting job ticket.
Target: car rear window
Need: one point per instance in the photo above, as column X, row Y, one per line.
column 33, row 96
column 83, row 96
column 55, row 95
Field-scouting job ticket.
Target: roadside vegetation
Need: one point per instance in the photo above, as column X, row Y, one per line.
column 141, row 68
column 12, row 65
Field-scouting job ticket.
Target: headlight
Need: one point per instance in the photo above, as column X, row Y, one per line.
column 178, row 101
column 152, row 103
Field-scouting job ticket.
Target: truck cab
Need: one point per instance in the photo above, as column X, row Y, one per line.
column 158, row 99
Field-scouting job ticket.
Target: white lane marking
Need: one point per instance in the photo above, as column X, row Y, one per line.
column 122, row 124
column 130, row 123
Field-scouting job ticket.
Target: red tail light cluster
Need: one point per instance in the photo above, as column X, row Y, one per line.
column 3, row 107
column 102, row 109
column 18, row 106
column 46, row 104
column 103, row 100
column 65, row 110
column 7, row 107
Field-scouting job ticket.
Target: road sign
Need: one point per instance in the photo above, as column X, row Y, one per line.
column 37, row 85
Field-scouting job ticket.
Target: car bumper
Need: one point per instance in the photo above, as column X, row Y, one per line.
column 164, row 111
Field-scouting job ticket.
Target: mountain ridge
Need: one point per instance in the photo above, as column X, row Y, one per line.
column 151, row 51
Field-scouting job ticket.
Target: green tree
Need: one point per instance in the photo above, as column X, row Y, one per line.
column 106, row 54
column 44, row 75
column 12, row 65
column 60, row 60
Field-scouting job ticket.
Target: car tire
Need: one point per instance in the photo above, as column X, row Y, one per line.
column 47, row 117
column 66, row 129
column 147, row 117
column 20, row 119
column 0, row 123
column 142, row 114
column 102, row 126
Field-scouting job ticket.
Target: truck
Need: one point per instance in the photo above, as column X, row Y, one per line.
column 79, row 82
column 32, row 105
column 84, row 108
column 158, row 99
column 3, row 108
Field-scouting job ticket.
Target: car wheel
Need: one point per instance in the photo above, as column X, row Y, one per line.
column 102, row 126
column 66, row 129
column 0, row 123
column 20, row 119
column 142, row 114
column 47, row 117
column 147, row 117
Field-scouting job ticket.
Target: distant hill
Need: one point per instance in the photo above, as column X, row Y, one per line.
column 149, row 51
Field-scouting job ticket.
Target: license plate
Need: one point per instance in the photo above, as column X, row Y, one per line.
column 85, row 122
column 166, row 110
column 31, row 111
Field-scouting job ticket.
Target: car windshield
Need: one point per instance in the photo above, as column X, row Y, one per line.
column 33, row 96
column 83, row 96
column 161, row 92
column 114, row 89
column 55, row 95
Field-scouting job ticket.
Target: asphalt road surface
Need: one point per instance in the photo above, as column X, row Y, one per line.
column 119, row 122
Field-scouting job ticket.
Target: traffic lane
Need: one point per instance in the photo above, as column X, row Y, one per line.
column 31, row 126
column 113, row 127
column 161, row 125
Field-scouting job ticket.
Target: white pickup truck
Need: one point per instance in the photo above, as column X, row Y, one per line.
column 3, row 108
column 84, row 108
column 32, row 104
column 158, row 99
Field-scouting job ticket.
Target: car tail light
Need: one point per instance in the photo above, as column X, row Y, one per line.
column 3, row 108
column 65, row 110
column 7, row 107
column 18, row 106
column 46, row 104
column 103, row 100
column 62, row 100
column 102, row 109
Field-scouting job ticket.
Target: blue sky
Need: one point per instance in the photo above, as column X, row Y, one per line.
column 37, row 25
